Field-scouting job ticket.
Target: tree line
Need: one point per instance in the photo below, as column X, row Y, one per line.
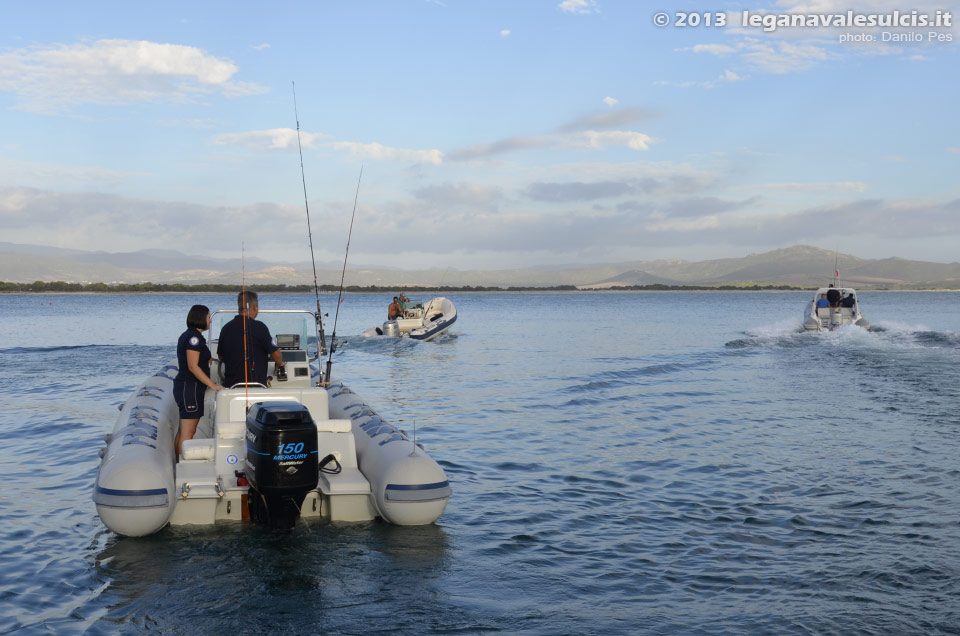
column 60, row 286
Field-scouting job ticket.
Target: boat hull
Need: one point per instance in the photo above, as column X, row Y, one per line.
column 427, row 322
column 134, row 491
column 408, row 487
column 140, row 488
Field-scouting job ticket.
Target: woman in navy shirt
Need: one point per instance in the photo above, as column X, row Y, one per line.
column 193, row 360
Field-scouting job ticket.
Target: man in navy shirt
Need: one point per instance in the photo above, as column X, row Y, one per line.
column 258, row 346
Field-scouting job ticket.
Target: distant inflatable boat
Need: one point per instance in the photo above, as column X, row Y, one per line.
column 293, row 449
column 420, row 322
column 840, row 306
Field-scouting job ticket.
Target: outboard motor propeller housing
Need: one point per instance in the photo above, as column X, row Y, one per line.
column 281, row 461
column 391, row 328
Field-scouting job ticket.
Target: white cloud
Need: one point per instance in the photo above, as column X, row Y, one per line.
column 461, row 195
column 283, row 138
column 584, row 228
column 580, row 133
column 714, row 49
column 578, row 6
column 28, row 173
column 379, row 152
column 576, row 209
column 809, row 188
column 953, row 150
column 611, row 101
column 52, row 78
column 96, row 221
column 195, row 122
column 504, row 33
column 796, row 49
column 724, row 78
column 730, row 76
column 603, row 139
column 608, row 119
column 273, row 139
column 261, row 47
column 770, row 56
column 787, row 58
column 585, row 139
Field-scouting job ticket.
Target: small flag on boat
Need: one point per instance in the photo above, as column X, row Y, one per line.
column 838, row 273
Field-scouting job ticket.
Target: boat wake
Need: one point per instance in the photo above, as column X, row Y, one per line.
column 393, row 346
column 910, row 336
column 882, row 335
column 782, row 334
column 362, row 344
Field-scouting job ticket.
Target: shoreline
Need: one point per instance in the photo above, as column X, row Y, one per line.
column 438, row 292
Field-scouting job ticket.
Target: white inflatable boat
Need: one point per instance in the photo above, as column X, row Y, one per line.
column 419, row 321
column 293, row 449
column 833, row 307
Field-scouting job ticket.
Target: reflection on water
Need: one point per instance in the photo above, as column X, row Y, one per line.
column 314, row 575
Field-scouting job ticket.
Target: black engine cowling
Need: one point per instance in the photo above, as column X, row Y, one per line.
column 281, row 461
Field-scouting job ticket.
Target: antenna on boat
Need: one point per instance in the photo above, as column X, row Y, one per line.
column 321, row 338
column 413, row 453
column 343, row 273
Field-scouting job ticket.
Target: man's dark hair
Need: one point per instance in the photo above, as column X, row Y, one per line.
column 246, row 300
column 197, row 317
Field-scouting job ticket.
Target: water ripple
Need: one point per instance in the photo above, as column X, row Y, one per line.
column 702, row 477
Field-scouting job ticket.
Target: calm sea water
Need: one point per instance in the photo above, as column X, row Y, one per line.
column 622, row 463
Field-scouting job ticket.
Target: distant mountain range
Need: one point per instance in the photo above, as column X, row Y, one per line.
column 800, row 266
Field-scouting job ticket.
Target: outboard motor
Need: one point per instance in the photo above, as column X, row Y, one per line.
column 391, row 328
column 281, row 461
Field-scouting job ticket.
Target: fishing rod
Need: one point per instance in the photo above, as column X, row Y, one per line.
column 246, row 310
column 321, row 338
column 343, row 273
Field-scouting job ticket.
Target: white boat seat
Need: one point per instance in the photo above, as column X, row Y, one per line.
column 231, row 430
column 234, row 402
column 348, row 481
column 341, row 444
column 205, row 425
column 823, row 312
column 334, row 426
column 198, row 449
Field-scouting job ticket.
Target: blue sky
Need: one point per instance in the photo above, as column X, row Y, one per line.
column 491, row 134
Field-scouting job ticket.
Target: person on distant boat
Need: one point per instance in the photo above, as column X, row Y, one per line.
column 403, row 302
column 193, row 376
column 823, row 302
column 833, row 295
column 245, row 358
column 848, row 301
column 393, row 311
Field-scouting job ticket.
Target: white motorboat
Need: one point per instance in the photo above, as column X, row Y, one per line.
column 840, row 306
column 297, row 448
column 419, row 321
